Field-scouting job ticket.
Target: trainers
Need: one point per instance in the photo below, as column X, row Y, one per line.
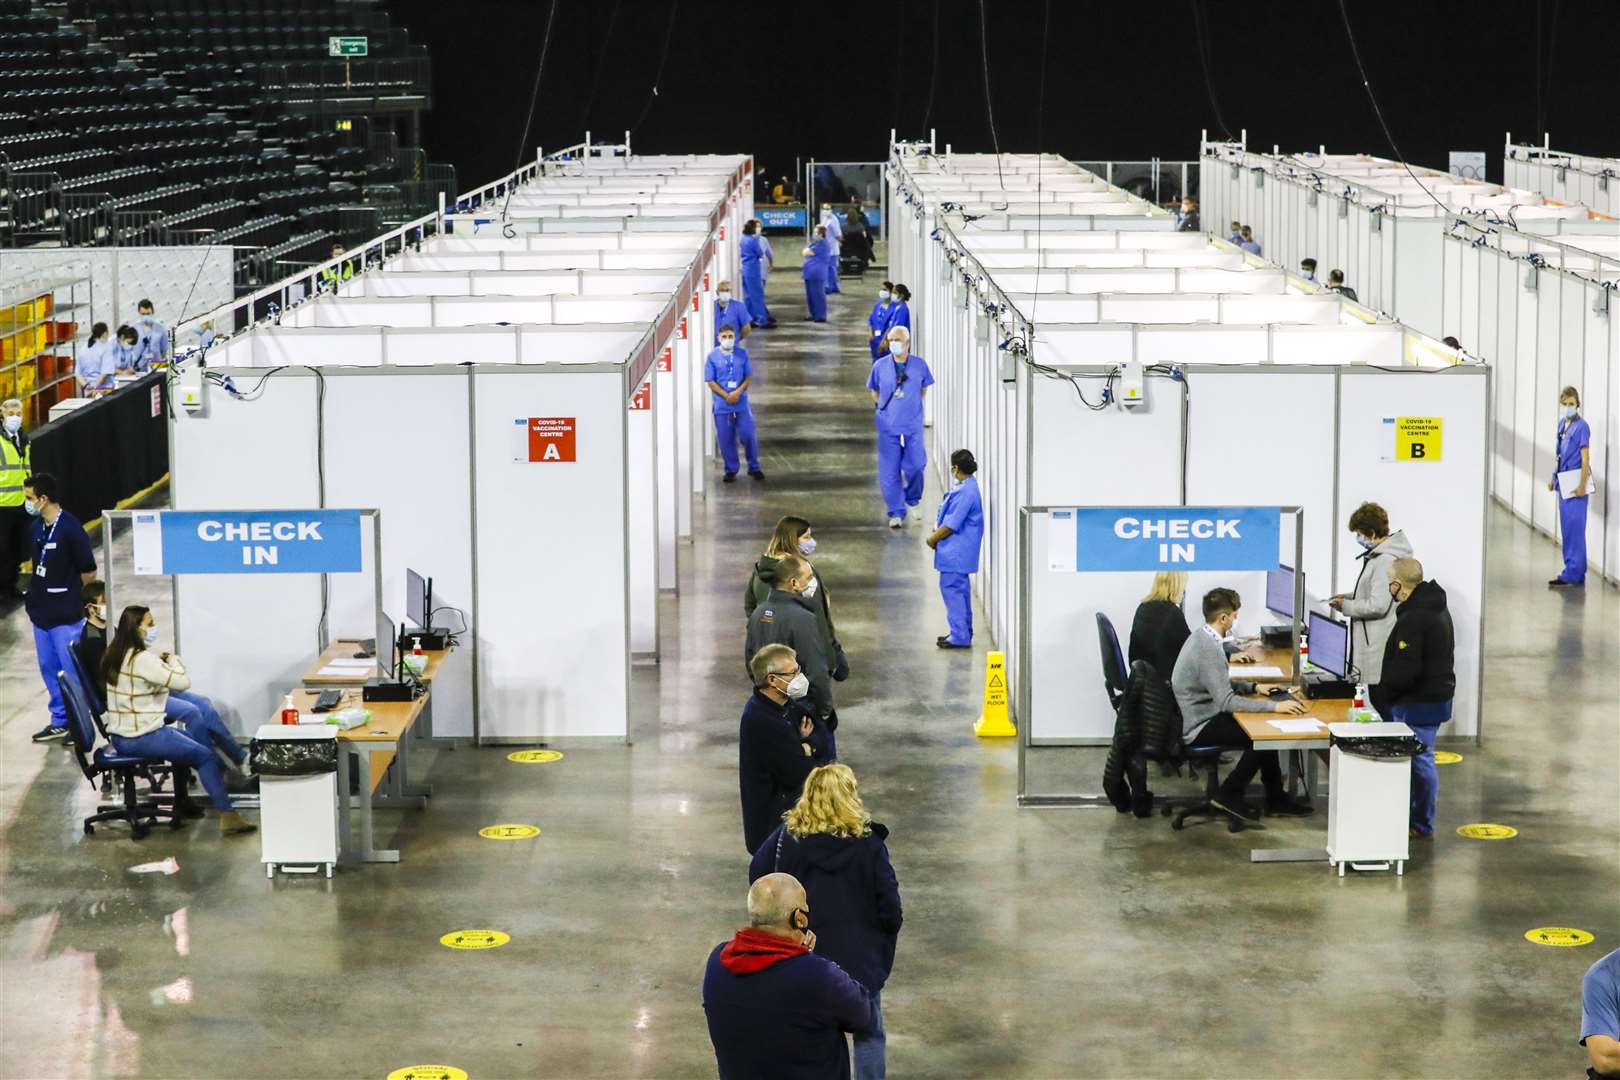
column 894, row 523
column 1560, row 583
column 916, row 513
column 50, row 733
column 1235, row 807
column 1289, row 806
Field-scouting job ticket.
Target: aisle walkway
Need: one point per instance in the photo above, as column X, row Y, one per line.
column 1071, row 943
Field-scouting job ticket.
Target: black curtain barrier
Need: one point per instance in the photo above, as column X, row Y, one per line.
column 108, row 450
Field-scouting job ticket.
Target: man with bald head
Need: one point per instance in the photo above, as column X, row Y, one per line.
column 1420, row 678
column 775, row 1008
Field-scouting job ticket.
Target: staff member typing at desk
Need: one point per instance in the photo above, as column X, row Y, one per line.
column 1207, row 695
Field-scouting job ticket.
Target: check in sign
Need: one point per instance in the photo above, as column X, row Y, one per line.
column 247, row 542
column 1176, row 538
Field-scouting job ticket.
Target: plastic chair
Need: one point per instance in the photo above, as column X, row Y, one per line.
column 125, row 770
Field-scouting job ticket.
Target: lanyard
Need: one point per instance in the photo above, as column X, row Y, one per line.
column 50, row 536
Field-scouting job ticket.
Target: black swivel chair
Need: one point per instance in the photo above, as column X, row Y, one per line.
column 1150, row 708
column 105, row 760
column 1113, row 660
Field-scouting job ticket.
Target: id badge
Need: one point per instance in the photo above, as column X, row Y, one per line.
column 898, row 394
column 731, row 384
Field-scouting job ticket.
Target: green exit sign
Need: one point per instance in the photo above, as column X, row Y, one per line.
column 346, row 46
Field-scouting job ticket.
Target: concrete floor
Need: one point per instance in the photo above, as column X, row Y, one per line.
column 1038, row 943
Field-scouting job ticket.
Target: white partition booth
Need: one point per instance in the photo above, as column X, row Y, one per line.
column 1254, row 395
column 1524, row 285
column 521, row 425
column 1577, row 178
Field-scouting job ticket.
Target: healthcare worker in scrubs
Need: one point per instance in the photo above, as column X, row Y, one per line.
column 729, row 311
column 815, row 275
column 899, row 315
column 835, row 237
column 727, row 374
column 878, row 321
column 1574, row 456
column 956, row 541
column 756, row 264
column 897, row 384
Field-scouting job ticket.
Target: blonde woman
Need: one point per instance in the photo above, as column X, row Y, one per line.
column 831, row 844
column 1160, row 627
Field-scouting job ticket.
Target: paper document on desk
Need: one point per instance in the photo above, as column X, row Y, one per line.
column 352, row 661
column 333, row 671
column 1257, row 671
column 1569, row 478
column 1307, row 726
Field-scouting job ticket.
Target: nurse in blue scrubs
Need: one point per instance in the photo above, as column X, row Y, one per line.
column 1574, row 456
column 816, row 258
column 897, row 383
column 878, row 321
column 756, row 264
column 956, row 541
column 899, row 315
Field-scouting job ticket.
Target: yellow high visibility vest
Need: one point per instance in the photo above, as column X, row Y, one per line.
column 14, row 468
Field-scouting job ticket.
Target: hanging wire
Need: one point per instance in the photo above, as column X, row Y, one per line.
column 658, row 76
column 933, row 71
column 1203, row 62
column 596, row 71
column 989, row 110
column 534, row 101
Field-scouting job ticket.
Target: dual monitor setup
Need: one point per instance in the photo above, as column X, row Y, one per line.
column 1328, row 636
column 394, row 682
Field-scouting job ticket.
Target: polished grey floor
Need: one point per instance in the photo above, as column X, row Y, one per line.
column 1038, row 943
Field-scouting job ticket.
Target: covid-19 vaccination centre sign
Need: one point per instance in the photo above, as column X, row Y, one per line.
column 247, row 542
column 1116, row 539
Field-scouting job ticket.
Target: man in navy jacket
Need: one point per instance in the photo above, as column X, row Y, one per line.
column 777, row 742
column 775, row 1008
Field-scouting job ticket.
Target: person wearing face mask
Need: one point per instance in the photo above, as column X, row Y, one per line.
column 1420, row 677
column 92, row 643
column 899, row 315
column 755, row 250
column 1371, row 611
column 96, row 364
column 139, row 680
column 957, row 536
column 1574, row 456
column 788, row 617
column 64, row 563
column 1207, row 696
column 793, row 537
column 727, row 374
column 1187, row 216
column 835, row 241
column 126, row 351
column 897, row 384
column 878, row 320
column 816, row 256
column 1159, row 627
column 153, row 345
column 774, row 1007
column 778, row 742
column 16, row 523
column 1307, row 270
column 729, row 311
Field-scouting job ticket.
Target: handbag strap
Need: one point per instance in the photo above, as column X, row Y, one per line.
column 780, row 832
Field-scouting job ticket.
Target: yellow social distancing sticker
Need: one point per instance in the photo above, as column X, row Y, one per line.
column 428, row 1072
column 534, row 757
column 509, row 832
column 474, row 939
column 1446, row 757
column 1488, row 832
column 1563, row 937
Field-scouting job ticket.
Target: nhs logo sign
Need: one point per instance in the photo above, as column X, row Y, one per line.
column 1176, row 538
column 247, row 542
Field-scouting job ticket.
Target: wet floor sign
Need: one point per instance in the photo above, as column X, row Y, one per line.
column 1562, row 937
column 428, row 1072
column 474, row 939
column 534, row 757
column 509, row 832
column 1488, row 832
column 994, row 722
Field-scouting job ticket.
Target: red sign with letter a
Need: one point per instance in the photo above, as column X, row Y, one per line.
column 641, row 400
column 551, row 438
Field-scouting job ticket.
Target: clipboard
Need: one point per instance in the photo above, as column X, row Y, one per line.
column 1569, row 478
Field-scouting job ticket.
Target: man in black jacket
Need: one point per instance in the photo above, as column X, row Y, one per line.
column 1419, row 677
column 788, row 617
column 778, row 744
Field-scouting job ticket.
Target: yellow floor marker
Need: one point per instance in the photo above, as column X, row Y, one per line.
column 1562, row 937
column 474, row 939
column 428, row 1072
column 1446, row 757
column 509, row 832
column 534, row 757
column 994, row 722
column 1488, row 832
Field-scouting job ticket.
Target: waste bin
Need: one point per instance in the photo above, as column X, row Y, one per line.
column 298, row 812
column 1370, row 796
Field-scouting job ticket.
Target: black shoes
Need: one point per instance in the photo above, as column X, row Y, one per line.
column 1560, row 583
column 757, row 475
column 50, row 733
column 945, row 642
column 1234, row 806
column 1289, row 806
column 729, row 478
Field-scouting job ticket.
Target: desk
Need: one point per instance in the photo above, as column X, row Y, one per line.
column 381, row 750
column 1257, row 726
column 1280, row 658
column 422, row 731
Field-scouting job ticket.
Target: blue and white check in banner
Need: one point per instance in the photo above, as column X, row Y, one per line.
column 247, row 541
column 1122, row 538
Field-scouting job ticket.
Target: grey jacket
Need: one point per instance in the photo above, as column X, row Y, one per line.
column 1372, row 608
column 789, row 619
column 1204, row 687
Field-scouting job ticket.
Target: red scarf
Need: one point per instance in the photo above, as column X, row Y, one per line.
column 754, row 950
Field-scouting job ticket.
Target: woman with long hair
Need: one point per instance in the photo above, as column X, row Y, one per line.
column 1159, row 629
column 831, row 844
column 139, row 681
column 793, row 536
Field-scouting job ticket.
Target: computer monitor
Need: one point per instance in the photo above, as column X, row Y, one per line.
column 1280, row 590
column 387, row 651
column 418, row 599
column 1330, row 645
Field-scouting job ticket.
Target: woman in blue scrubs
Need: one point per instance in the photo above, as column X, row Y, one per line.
column 899, row 315
column 897, row 383
column 1574, row 455
column 816, row 258
column 956, row 542
column 755, row 250
column 878, row 321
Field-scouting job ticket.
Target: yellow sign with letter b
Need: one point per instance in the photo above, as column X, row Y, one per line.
column 994, row 722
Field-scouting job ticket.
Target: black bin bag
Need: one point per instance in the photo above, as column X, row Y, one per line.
column 1379, row 748
column 293, row 757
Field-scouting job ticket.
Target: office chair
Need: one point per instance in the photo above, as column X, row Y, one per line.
column 94, row 762
column 1153, row 712
column 1113, row 661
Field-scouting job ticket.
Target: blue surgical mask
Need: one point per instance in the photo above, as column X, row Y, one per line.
column 1570, row 411
column 151, row 636
column 31, row 507
column 807, row 546
column 1366, row 544
column 898, row 349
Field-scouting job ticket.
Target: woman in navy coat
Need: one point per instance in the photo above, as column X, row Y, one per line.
column 830, row 843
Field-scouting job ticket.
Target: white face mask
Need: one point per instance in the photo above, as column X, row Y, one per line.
column 883, row 295
column 798, row 686
column 727, row 344
column 898, row 349
column 723, row 296
column 151, row 636
column 100, row 611
column 809, row 592
column 1570, row 412
column 33, row 508
column 13, row 425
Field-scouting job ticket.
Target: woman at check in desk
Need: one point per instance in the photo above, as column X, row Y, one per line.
column 139, row 680
column 1159, row 629
column 1369, row 605
column 1570, row 478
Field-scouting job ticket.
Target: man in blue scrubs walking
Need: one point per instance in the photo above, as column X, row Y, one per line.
column 1574, row 455
column 897, row 384
column 956, row 544
column 727, row 374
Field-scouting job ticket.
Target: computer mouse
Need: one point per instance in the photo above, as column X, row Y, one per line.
column 1280, row 693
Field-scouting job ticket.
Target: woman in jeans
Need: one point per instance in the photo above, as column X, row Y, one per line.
column 831, row 844
column 139, row 681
